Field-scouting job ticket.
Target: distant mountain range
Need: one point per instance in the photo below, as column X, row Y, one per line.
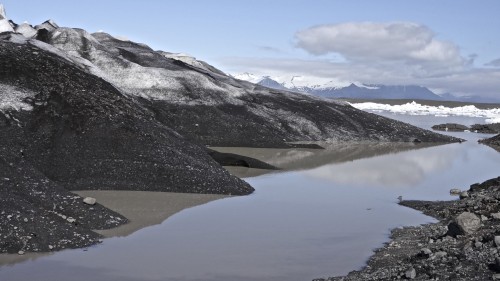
column 353, row 90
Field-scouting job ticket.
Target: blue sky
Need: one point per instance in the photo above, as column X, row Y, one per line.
column 457, row 44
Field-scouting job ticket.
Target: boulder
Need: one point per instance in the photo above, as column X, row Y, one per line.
column 463, row 224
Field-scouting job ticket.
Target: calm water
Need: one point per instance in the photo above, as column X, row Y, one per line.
column 298, row 225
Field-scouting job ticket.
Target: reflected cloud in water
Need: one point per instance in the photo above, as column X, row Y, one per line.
column 393, row 170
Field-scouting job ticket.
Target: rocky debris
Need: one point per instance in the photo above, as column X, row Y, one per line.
column 231, row 159
column 486, row 128
column 79, row 132
column 455, row 191
column 494, row 142
column 451, row 127
column 89, row 200
column 476, row 128
column 435, row 253
column 208, row 107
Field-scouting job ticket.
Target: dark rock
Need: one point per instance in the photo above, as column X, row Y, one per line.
column 494, row 142
column 486, row 128
column 231, row 159
column 451, row 127
column 484, row 185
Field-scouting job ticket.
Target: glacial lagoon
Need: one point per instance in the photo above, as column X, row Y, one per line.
column 323, row 215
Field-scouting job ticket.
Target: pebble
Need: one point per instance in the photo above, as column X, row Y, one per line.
column 440, row 254
column 20, row 253
column 89, row 201
column 497, row 241
column 426, row 251
column 411, row 273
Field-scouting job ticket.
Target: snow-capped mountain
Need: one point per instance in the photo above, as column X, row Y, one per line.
column 333, row 88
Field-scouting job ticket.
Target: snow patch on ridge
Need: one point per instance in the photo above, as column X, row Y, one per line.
column 5, row 26
column 414, row 108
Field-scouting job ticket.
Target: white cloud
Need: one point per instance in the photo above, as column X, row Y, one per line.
column 401, row 42
column 380, row 53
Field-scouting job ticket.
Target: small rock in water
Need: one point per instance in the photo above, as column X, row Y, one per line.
column 455, row 191
column 51, row 247
column 89, row 201
column 411, row 273
column 20, row 253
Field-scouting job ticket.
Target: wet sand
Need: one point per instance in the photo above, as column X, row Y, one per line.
column 144, row 208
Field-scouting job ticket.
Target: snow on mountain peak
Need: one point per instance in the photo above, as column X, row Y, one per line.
column 5, row 25
column 2, row 12
column 252, row 78
column 299, row 82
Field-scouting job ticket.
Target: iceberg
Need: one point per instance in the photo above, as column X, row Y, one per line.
column 413, row 108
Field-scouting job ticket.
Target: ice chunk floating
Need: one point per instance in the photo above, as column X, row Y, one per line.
column 414, row 108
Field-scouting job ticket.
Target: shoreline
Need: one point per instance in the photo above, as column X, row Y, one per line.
column 458, row 247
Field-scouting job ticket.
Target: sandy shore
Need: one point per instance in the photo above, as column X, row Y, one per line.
column 143, row 208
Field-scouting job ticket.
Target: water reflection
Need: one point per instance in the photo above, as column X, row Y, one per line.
column 393, row 170
column 304, row 159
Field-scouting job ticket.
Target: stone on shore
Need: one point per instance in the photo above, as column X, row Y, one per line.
column 463, row 224
column 89, row 201
column 411, row 273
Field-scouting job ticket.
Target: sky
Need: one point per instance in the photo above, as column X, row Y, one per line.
column 447, row 45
